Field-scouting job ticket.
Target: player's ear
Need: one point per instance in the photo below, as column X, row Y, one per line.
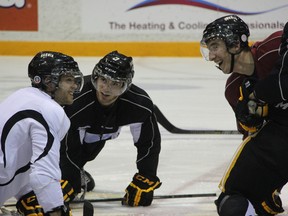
column 235, row 48
column 50, row 86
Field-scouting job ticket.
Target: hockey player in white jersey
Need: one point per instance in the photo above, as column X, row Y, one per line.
column 32, row 124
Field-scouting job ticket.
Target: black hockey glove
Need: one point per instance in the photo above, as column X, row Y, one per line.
column 271, row 206
column 28, row 205
column 140, row 191
column 250, row 112
column 68, row 191
column 65, row 211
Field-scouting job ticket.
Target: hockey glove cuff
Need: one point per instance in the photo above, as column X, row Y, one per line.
column 68, row 191
column 271, row 206
column 250, row 112
column 140, row 191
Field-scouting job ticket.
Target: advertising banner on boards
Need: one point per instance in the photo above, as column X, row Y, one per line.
column 18, row 15
column 181, row 18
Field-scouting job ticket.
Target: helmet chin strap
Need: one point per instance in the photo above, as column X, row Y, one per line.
column 232, row 62
column 233, row 59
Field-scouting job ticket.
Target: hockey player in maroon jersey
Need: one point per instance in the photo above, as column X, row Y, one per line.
column 32, row 124
column 108, row 102
column 257, row 90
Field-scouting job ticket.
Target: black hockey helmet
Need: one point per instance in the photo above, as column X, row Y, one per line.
column 52, row 65
column 114, row 66
column 231, row 29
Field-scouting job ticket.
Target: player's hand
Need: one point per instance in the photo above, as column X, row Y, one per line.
column 140, row 191
column 28, row 205
column 68, row 191
column 249, row 111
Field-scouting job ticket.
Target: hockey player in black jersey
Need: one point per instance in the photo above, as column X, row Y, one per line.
column 107, row 102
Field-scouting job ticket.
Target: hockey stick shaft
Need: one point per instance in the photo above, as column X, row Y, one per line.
column 175, row 196
column 155, row 197
column 173, row 129
column 88, row 209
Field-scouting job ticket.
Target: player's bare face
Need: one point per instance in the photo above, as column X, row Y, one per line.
column 219, row 54
column 66, row 87
column 108, row 90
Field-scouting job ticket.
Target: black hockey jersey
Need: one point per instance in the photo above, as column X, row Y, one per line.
column 92, row 125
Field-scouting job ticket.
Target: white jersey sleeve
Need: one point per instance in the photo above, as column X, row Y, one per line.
column 31, row 130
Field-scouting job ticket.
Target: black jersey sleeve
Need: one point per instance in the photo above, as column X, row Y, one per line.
column 148, row 147
column 144, row 128
column 274, row 88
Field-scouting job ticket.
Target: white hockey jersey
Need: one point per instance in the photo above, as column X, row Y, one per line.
column 32, row 125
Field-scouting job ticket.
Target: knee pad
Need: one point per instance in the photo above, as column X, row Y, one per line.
column 234, row 205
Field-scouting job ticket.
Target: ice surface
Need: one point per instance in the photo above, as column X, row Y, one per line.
column 190, row 93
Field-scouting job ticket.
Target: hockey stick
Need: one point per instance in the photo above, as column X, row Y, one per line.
column 88, row 209
column 173, row 129
column 175, row 196
column 155, row 197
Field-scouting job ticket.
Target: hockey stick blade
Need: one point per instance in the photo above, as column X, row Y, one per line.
column 88, row 209
column 162, row 120
column 175, row 196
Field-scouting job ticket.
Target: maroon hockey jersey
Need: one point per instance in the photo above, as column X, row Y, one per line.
column 265, row 54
